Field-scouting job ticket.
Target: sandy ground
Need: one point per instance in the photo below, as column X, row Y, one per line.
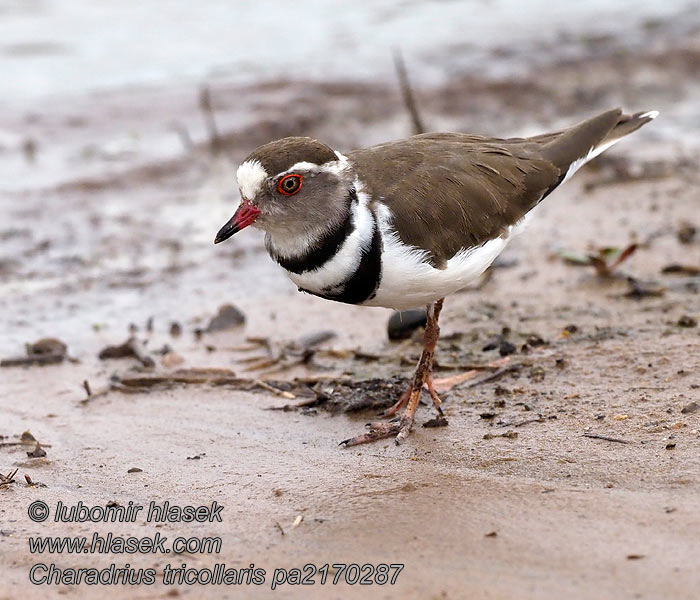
column 123, row 233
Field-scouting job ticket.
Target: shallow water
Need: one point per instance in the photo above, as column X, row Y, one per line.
column 50, row 47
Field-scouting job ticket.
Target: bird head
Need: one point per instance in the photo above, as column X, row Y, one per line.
column 294, row 189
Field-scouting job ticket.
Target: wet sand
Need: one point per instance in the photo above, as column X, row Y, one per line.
column 123, row 232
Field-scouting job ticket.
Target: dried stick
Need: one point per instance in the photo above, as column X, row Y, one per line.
column 595, row 436
column 208, row 113
column 407, row 93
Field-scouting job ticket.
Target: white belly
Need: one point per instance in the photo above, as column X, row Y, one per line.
column 409, row 281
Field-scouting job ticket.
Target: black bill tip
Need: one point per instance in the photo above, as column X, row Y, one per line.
column 245, row 215
column 226, row 231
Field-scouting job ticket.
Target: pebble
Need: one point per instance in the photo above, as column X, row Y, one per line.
column 228, row 317
column 687, row 321
column 690, row 408
column 402, row 324
column 506, row 348
column 171, row 359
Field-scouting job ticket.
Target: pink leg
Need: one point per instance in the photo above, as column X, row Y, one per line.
column 398, row 405
column 402, row 427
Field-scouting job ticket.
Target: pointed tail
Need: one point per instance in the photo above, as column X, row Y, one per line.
column 574, row 147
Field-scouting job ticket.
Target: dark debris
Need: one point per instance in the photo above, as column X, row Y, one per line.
column 228, row 317
column 687, row 321
column 438, row 421
column 38, row 452
column 402, row 324
column 131, row 348
column 46, row 351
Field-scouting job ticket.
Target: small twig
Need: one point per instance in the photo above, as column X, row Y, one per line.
column 279, row 527
column 445, row 384
column 510, row 434
column 528, row 421
column 257, row 363
column 184, row 136
column 186, row 376
column 595, row 436
column 274, row 390
column 86, row 385
column 623, row 256
column 34, row 359
column 407, row 93
column 314, row 339
column 312, row 379
column 281, row 368
column 137, row 384
column 363, row 355
column 495, row 375
column 438, row 365
column 681, row 269
column 252, row 359
column 604, row 261
column 303, row 404
column 9, row 478
column 22, row 443
column 99, row 393
column 207, row 109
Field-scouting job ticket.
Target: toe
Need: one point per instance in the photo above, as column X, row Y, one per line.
column 377, row 431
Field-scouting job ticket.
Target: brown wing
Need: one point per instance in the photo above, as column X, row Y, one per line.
column 449, row 191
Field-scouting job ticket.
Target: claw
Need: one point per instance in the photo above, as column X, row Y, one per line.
column 377, row 431
column 406, row 426
column 381, row 424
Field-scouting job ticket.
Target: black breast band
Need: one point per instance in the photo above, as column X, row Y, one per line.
column 326, row 248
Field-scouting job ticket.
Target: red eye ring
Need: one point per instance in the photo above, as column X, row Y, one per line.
column 290, row 184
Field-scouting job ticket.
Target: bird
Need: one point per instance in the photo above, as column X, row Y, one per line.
column 405, row 223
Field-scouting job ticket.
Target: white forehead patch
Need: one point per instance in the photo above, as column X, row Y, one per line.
column 251, row 176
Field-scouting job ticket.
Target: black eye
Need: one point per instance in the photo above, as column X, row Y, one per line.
column 289, row 184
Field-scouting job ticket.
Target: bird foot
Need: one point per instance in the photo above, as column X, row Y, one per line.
column 401, row 427
column 379, row 430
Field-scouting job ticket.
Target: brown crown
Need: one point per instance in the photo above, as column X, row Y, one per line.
column 280, row 155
